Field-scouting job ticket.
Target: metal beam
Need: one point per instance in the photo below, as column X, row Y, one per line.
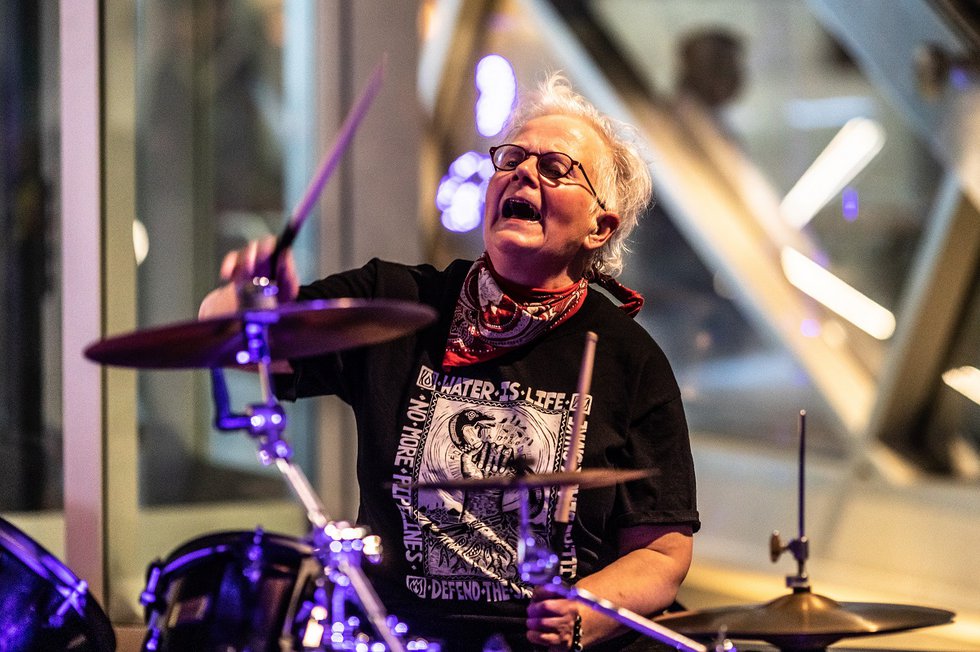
column 81, row 296
column 942, row 273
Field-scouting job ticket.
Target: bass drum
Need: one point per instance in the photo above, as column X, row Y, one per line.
column 43, row 605
column 231, row 591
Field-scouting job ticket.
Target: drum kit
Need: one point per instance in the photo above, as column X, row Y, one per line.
column 259, row 591
column 264, row 591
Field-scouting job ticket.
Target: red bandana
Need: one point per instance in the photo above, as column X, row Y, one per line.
column 489, row 322
column 630, row 300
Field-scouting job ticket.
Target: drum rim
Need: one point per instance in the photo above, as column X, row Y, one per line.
column 222, row 539
column 49, row 568
column 216, row 543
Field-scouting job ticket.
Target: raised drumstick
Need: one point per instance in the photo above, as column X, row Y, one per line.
column 571, row 455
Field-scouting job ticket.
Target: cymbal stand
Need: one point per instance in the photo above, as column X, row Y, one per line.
column 338, row 546
column 800, row 546
column 538, row 564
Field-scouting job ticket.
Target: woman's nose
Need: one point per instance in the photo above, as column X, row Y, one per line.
column 528, row 169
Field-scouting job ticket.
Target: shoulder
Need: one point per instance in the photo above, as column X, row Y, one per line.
column 386, row 270
column 383, row 278
column 600, row 312
column 626, row 343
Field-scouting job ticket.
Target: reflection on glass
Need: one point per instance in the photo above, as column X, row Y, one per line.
column 948, row 442
column 777, row 99
column 30, row 334
column 210, row 177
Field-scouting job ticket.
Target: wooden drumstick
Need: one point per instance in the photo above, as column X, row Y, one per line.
column 571, row 455
column 329, row 163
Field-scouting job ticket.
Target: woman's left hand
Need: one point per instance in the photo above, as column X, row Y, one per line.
column 551, row 620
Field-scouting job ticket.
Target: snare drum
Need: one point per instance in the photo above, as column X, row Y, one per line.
column 231, row 591
column 43, row 605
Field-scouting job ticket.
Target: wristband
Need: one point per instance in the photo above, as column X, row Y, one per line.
column 577, row 635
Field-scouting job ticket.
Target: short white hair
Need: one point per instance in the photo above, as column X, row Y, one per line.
column 623, row 180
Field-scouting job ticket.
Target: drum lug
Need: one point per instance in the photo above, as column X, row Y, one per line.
column 253, row 570
column 74, row 597
column 152, row 641
column 148, row 597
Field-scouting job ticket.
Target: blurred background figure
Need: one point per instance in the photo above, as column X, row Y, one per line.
column 711, row 69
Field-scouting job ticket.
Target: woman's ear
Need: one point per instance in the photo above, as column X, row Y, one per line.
column 606, row 224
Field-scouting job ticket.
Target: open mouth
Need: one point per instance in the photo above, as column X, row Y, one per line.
column 520, row 209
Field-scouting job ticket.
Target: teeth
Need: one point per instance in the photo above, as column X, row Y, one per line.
column 520, row 209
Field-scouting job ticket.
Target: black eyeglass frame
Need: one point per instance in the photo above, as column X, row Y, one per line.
column 528, row 154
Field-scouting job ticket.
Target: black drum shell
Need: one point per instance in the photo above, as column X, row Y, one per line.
column 234, row 590
column 33, row 586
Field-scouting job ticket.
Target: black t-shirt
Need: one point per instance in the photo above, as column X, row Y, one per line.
column 449, row 567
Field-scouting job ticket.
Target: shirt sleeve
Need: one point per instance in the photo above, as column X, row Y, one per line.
column 658, row 439
column 324, row 374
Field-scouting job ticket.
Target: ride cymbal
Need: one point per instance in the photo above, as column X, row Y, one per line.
column 296, row 330
column 803, row 621
column 585, row 479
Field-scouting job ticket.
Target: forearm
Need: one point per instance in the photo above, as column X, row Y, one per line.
column 644, row 581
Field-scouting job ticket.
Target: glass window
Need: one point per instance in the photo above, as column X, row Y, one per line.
column 949, row 440
column 785, row 113
column 211, row 175
column 779, row 97
column 197, row 94
column 30, row 333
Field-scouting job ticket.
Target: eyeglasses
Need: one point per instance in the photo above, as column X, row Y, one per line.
column 553, row 165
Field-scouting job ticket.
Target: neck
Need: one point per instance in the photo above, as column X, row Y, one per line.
column 528, row 276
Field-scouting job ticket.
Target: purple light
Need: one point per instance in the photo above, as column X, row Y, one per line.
column 444, row 195
column 810, row 328
column 959, row 78
column 464, row 213
column 849, row 204
column 486, row 169
column 466, row 165
column 497, row 86
column 459, row 196
column 460, row 193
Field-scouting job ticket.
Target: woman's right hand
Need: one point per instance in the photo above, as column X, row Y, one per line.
column 240, row 266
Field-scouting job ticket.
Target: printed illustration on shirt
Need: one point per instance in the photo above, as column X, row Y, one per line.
column 462, row 543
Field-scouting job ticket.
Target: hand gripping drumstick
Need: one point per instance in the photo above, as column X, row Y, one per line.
column 328, row 164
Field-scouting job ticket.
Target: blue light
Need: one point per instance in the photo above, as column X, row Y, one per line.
column 850, row 206
column 486, row 169
column 959, row 78
column 460, row 194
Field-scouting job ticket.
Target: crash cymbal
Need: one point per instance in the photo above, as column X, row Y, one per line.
column 296, row 330
column 803, row 621
column 585, row 479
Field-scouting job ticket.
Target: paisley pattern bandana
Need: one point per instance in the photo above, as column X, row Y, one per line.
column 630, row 300
column 489, row 321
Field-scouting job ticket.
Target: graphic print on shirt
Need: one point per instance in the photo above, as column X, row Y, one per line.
column 462, row 544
